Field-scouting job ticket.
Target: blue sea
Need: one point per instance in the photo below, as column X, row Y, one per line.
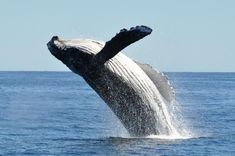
column 57, row 113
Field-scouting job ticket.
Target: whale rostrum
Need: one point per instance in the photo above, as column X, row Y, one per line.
column 135, row 92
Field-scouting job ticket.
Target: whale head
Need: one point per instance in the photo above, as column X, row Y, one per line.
column 76, row 54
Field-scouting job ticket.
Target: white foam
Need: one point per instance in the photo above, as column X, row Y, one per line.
column 160, row 137
column 169, row 137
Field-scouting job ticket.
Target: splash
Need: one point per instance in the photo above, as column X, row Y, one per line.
column 176, row 125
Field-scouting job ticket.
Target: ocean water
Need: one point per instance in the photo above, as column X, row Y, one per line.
column 57, row 113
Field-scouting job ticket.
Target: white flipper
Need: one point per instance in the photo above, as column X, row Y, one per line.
column 160, row 80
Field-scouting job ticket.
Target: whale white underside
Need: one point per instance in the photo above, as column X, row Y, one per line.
column 139, row 80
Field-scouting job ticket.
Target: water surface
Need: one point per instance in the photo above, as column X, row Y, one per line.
column 57, row 113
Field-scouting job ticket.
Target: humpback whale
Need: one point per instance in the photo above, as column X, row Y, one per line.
column 137, row 93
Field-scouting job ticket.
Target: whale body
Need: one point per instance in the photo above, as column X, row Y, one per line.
column 135, row 92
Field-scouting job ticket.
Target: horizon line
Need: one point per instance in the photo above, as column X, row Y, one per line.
column 161, row 71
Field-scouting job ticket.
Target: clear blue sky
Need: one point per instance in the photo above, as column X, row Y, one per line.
column 187, row 35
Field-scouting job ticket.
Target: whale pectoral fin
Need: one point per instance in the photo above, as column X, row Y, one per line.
column 160, row 80
column 123, row 39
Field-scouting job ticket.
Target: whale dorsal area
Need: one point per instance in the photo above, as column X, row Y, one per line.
column 160, row 80
column 123, row 39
